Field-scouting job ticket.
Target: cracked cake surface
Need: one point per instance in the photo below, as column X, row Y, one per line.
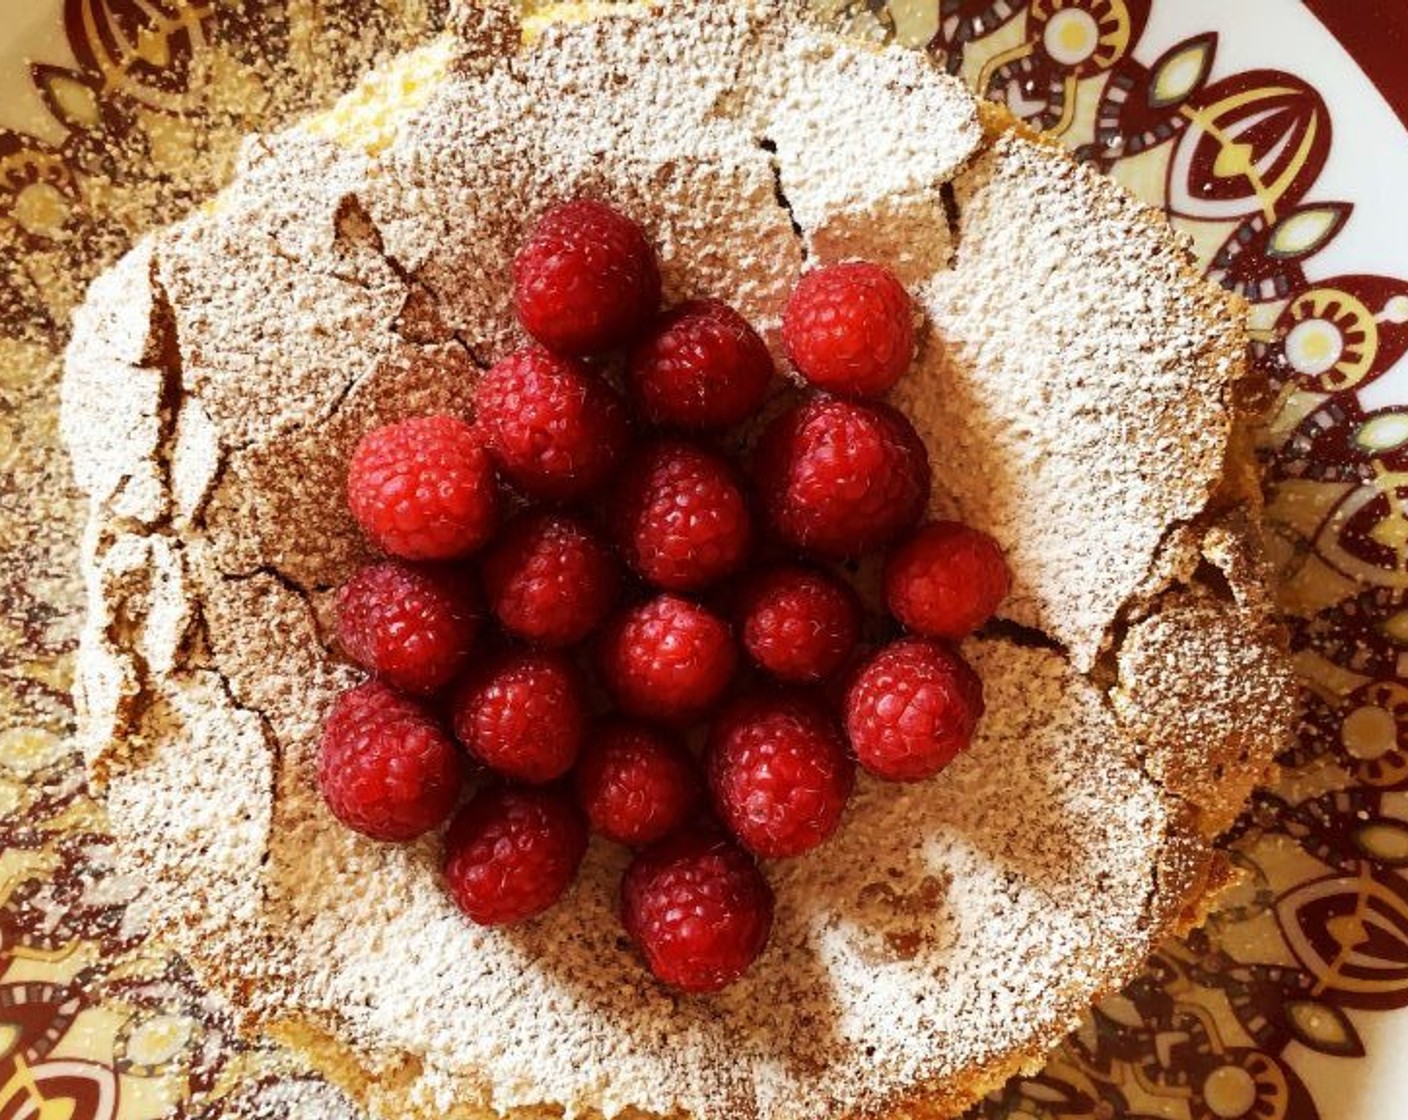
column 1078, row 387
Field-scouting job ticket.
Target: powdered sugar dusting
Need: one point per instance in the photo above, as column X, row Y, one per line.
column 861, row 180
column 285, row 1098
column 1196, row 685
column 951, row 930
column 1074, row 391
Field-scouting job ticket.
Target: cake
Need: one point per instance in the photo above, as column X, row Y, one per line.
column 1081, row 390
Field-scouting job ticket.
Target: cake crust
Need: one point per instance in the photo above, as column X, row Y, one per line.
column 950, row 932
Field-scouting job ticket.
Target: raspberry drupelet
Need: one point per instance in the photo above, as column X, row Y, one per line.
column 702, row 366
column 522, row 715
column 667, row 659
column 799, row 624
column 424, row 489
column 413, row 627
column 511, row 853
column 946, row 580
column 681, row 520
column 585, row 280
column 779, row 774
column 634, row 783
column 698, row 909
column 385, row 767
column 912, row 709
column 839, row 478
column 549, row 579
column 849, row 329
column 554, row 427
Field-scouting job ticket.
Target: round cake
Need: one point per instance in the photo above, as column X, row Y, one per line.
column 1082, row 394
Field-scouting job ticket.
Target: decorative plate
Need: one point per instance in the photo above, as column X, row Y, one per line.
column 1275, row 134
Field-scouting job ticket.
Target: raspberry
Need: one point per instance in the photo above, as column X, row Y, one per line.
column 779, row 774
column 682, row 521
column 586, row 279
column 667, row 659
column 635, row 784
column 522, row 716
column 511, row 853
column 946, row 580
column 554, row 427
column 840, row 478
column 549, row 579
column 912, row 709
column 698, row 909
column 413, row 627
column 423, row 489
column 384, row 766
column 799, row 624
column 849, row 328
column 702, row 366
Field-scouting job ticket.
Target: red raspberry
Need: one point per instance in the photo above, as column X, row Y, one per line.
column 682, row 521
column 635, row 784
column 413, row 627
column 840, row 478
column 849, row 328
column 702, row 366
column 549, row 579
column 912, row 709
column 779, row 774
column 384, row 766
column 511, row 853
column 522, row 716
column 946, row 580
column 423, row 489
column 586, row 279
column 698, row 909
column 554, row 427
column 667, row 659
column 799, row 624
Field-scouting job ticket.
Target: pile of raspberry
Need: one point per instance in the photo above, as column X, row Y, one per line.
column 592, row 616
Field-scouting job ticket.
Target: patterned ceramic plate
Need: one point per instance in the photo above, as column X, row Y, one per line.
column 1272, row 131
